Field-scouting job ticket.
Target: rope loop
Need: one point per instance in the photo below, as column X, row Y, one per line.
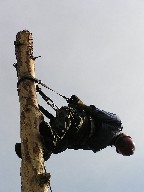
column 48, row 100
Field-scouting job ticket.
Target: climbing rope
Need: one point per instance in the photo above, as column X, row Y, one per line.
column 48, row 100
column 41, row 83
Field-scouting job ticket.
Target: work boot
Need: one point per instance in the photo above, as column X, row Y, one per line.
column 46, row 153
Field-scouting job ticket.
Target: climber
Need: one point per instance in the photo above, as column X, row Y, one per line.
column 78, row 126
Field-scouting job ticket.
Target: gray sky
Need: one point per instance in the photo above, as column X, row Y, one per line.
column 91, row 48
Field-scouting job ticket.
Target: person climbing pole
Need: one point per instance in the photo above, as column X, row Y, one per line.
column 78, row 126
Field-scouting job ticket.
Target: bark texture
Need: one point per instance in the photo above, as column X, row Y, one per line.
column 33, row 175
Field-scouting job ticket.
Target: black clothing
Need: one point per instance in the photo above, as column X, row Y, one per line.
column 81, row 127
column 77, row 126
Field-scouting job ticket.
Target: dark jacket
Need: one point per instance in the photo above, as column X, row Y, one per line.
column 78, row 126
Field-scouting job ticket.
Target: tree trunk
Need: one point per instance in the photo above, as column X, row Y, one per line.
column 33, row 175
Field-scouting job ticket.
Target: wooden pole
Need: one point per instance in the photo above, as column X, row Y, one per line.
column 33, row 175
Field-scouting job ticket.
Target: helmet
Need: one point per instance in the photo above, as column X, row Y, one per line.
column 125, row 145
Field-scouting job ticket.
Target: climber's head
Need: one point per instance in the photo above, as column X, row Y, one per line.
column 125, row 145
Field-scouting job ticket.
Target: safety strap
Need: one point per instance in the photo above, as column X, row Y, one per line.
column 48, row 100
column 41, row 83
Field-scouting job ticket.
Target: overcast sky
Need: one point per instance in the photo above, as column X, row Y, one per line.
column 91, row 48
